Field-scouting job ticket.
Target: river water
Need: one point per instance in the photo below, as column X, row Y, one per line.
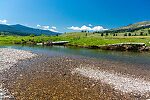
column 126, row 57
column 139, row 58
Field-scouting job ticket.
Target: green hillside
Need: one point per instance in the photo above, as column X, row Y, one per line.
column 131, row 28
column 136, row 25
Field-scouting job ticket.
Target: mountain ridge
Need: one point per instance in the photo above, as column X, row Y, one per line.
column 136, row 25
column 132, row 27
column 22, row 30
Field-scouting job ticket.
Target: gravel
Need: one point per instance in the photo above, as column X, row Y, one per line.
column 124, row 83
column 9, row 57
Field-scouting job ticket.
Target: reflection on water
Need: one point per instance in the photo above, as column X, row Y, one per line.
column 127, row 57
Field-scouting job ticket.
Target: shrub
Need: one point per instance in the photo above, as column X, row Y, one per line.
column 141, row 33
column 86, row 34
column 135, row 34
column 32, row 35
column 129, row 34
column 148, row 31
column 146, row 34
column 106, row 34
column 125, row 34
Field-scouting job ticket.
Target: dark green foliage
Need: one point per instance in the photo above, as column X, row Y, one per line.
column 86, row 34
column 83, row 31
column 148, row 31
column 32, row 35
column 125, row 34
column 129, row 34
column 106, row 34
column 23, row 41
column 146, row 34
column 141, row 33
column 135, row 34
column 102, row 34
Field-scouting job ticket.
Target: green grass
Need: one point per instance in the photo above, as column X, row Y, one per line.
column 78, row 39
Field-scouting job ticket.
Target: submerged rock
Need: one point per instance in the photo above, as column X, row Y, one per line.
column 9, row 57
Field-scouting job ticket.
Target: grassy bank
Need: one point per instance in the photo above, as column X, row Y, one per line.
column 76, row 39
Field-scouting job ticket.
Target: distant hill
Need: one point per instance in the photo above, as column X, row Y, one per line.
column 131, row 27
column 137, row 25
column 23, row 30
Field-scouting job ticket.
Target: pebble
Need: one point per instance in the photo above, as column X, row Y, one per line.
column 8, row 58
column 120, row 82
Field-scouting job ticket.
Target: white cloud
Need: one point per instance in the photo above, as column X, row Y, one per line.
column 86, row 28
column 53, row 28
column 79, row 29
column 42, row 27
column 4, row 21
column 38, row 25
column 99, row 28
column 90, row 25
column 73, row 28
column 46, row 27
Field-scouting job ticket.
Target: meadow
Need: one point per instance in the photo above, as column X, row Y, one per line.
column 81, row 39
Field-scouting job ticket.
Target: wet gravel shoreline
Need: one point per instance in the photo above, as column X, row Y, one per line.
column 51, row 78
column 8, row 58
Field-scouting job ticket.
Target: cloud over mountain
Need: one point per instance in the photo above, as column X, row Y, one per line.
column 3, row 21
column 53, row 28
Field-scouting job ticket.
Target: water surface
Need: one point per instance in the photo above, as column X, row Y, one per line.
column 126, row 57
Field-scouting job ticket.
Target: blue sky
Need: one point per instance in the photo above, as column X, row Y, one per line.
column 64, row 15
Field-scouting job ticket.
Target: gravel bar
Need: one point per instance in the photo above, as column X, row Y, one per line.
column 124, row 83
column 8, row 58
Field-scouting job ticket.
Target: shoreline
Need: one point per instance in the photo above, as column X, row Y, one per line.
column 52, row 78
column 108, row 47
column 116, row 47
column 9, row 58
